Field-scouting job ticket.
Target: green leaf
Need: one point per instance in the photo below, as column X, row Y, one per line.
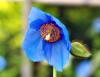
column 79, row 50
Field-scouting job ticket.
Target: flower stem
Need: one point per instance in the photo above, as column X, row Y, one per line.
column 54, row 72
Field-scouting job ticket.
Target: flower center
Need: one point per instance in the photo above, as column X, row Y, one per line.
column 50, row 32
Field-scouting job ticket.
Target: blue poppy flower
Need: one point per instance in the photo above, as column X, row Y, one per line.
column 46, row 39
column 96, row 25
column 3, row 63
column 84, row 69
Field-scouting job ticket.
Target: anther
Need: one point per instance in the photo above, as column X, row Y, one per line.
column 50, row 32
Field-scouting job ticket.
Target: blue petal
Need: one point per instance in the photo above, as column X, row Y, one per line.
column 37, row 14
column 35, row 53
column 47, row 46
column 36, row 24
column 30, row 37
column 68, row 45
column 56, row 54
column 32, row 45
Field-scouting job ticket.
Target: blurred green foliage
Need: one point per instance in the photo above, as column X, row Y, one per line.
column 10, row 37
column 77, row 19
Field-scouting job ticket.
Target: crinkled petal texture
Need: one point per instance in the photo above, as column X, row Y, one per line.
column 36, row 18
column 57, row 54
column 37, row 49
column 32, row 45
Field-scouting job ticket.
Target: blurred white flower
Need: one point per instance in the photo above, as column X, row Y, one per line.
column 96, row 25
column 83, row 69
column 3, row 63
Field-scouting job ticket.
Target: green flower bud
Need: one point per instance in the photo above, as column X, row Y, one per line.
column 79, row 50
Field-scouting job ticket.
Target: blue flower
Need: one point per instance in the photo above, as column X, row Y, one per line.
column 96, row 25
column 46, row 39
column 3, row 63
column 84, row 69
